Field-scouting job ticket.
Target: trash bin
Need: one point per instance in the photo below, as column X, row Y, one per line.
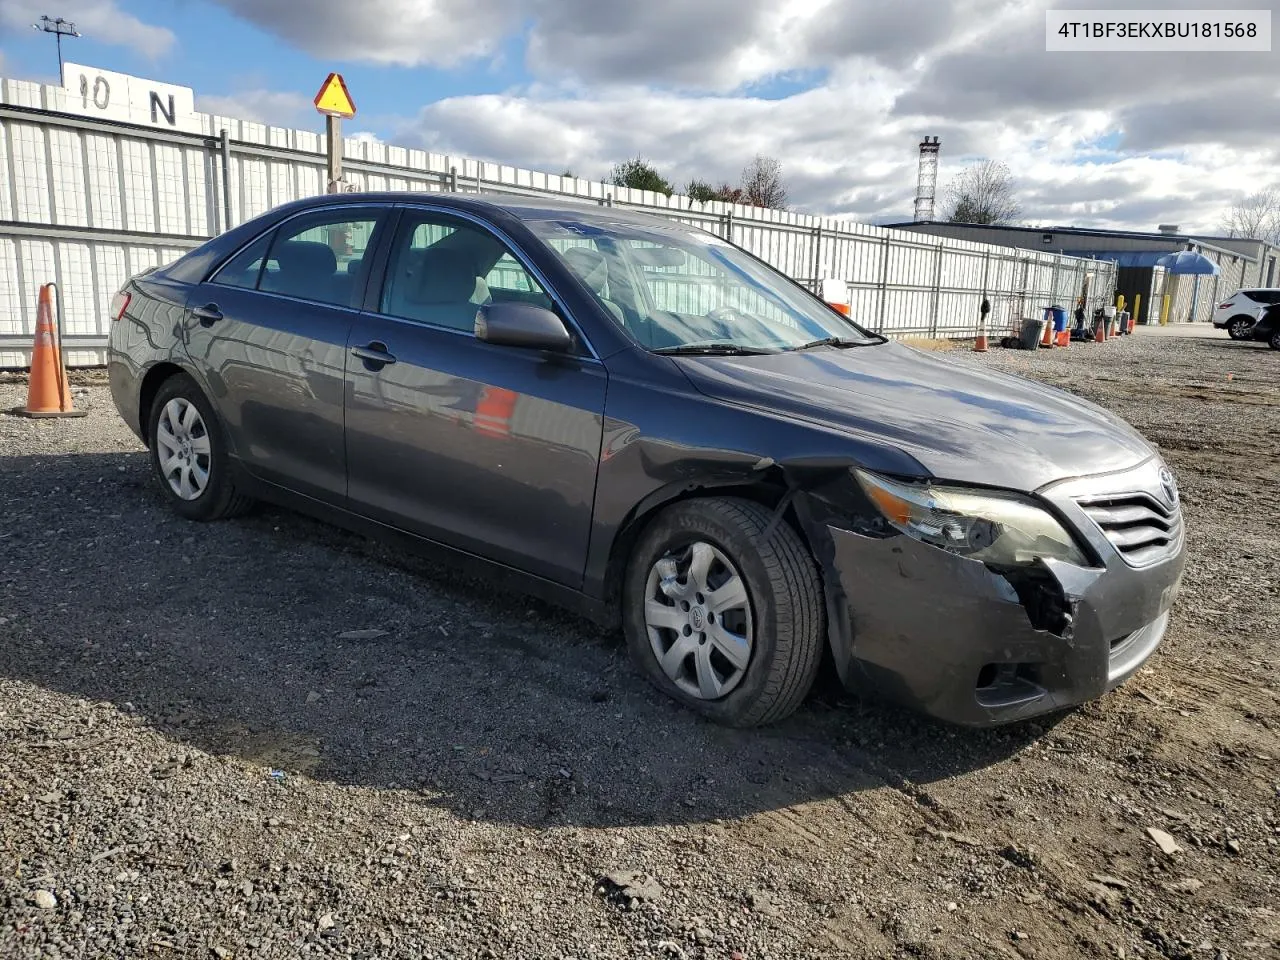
column 1048, row 337
column 1032, row 331
column 1059, row 319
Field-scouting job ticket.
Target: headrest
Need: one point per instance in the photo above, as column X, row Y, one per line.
column 590, row 265
column 306, row 258
column 443, row 276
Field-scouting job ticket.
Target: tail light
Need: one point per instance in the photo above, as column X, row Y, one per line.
column 1227, row 305
column 119, row 304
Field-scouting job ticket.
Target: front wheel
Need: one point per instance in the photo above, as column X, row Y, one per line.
column 722, row 618
column 1238, row 328
column 188, row 455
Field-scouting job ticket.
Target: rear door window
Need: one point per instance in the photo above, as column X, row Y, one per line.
column 321, row 257
column 243, row 269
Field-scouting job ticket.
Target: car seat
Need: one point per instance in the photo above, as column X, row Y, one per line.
column 307, row 270
column 439, row 290
column 592, row 268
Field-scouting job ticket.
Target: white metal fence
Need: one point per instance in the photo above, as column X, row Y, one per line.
column 86, row 203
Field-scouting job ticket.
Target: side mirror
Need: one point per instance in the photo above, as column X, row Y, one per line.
column 522, row 325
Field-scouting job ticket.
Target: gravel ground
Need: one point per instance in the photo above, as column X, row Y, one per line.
column 268, row 738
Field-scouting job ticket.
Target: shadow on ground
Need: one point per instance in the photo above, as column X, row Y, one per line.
column 288, row 643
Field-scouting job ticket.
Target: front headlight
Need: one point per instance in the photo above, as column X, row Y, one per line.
column 979, row 524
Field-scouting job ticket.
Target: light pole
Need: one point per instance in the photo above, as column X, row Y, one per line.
column 59, row 28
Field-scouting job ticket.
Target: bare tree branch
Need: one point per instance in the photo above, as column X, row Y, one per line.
column 982, row 193
column 762, row 183
column 1256, row 217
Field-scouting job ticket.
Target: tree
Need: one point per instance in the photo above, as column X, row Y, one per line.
column 700, row 190
column 982, row 193
column 762, row 183
column 1256, row 217
column 639, row 174
column 727, row 193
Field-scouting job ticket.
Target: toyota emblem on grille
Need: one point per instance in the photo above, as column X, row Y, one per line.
column 1169, row 485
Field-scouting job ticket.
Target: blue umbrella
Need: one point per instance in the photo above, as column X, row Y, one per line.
column 1188, row 262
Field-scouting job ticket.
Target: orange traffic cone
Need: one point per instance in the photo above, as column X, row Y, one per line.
column 48, row 393
column 980, row 345
column 1100, row 330
column 1047, row 339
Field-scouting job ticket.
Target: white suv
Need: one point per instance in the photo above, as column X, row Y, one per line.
column 1240, row 311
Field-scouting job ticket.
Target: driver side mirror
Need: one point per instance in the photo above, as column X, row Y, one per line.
column 522, row 325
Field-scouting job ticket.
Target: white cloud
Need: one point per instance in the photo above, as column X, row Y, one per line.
column 100, row 19
column 404, row 32
column 276, row 108
column 1113, row 140
column 845, row 152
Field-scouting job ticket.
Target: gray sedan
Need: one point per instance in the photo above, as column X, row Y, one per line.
column 643, row 422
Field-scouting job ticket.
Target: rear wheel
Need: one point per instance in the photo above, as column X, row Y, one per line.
column 188, row 455
column 722, row 618
column 1238, row 328
column 1274, row 341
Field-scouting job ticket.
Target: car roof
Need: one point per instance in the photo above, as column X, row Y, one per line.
column 521, row 207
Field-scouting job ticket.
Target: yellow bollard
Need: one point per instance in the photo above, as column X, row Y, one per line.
column 1164, row 312
column 1119, row 302
column 1137, row 309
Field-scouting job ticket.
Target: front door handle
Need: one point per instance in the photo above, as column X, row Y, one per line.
column 208, row 315
column 374, row 355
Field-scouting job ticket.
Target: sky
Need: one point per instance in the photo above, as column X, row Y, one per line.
column 840, row 91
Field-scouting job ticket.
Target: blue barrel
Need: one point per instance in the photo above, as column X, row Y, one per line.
column 1059, row 318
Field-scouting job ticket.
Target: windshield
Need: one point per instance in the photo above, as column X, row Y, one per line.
column 677, row 290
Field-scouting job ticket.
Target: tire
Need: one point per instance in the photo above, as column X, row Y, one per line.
column 215, row 498
column 1274, row 341
column 1238, row 328
column 786, row 629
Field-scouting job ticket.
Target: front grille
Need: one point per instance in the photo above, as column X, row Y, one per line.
column 1141, row 528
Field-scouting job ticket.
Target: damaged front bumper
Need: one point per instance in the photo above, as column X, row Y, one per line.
column 949, row 636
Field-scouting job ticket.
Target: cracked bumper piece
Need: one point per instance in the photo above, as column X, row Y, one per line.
column 945, row 635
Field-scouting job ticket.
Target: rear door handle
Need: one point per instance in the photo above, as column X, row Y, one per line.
column 208, row 314
column 374, row 355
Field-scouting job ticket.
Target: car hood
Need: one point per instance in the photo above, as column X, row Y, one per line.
column 959, row 422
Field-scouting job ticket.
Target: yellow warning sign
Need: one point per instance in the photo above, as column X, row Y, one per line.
column 333, row 99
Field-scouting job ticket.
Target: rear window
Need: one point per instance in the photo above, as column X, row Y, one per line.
column 1262, row 296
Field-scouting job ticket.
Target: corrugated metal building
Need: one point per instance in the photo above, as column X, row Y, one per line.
column 1241, row 262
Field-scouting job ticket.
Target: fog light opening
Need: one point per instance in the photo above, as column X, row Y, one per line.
column 1005, row 684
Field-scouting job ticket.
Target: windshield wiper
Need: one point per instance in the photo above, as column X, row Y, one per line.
column 841, row 342
column 712, row 350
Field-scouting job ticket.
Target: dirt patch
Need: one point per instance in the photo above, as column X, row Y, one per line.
column 268, row 738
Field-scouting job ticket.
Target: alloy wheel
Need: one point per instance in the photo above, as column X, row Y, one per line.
column 698, row 617
column 182, row 448
column 1238, row 329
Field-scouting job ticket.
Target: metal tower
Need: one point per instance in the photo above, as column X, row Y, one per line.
column 927, row 185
